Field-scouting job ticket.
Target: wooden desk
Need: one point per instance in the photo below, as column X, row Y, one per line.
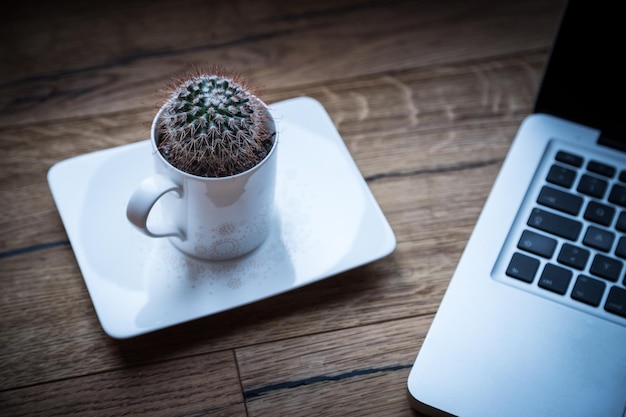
column 427, row 96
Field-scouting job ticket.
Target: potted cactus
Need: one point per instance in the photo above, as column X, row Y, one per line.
column 214, row 145
column 213, row 125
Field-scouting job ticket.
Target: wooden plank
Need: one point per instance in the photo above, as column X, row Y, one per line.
column 427, row 96
column 465, row 124
column 38, row 331
column 308, row 48
column 42, row 38
column 431, row 199
column 410, row 282
column 201, row 385
column 359, row 371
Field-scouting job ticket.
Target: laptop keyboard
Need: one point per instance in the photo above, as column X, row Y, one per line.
column 573, row 245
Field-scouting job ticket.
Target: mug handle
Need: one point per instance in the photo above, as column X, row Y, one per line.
column 144, row 198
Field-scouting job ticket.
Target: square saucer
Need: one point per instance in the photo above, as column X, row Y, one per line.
column 327, row 221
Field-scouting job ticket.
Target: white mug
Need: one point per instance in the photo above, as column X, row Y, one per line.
column 209, row 218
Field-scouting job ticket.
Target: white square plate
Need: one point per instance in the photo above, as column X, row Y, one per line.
column 327, row 222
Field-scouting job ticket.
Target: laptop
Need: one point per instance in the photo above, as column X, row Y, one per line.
column 533, row 322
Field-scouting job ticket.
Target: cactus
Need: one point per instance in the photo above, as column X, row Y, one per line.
column 212, row 125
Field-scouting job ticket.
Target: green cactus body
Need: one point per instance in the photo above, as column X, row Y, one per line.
column 213, row 126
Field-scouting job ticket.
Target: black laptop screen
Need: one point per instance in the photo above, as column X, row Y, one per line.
column 584, row 80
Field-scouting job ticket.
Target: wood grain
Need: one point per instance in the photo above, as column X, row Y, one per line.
column 427, row 97
column 431, row 203
column 42, row 337
column 466, row 124
column 301, row 47
column 202, row 385
column 355, row 372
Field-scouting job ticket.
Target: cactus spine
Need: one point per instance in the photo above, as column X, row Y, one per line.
column 212, row 125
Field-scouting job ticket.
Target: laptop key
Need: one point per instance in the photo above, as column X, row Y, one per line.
column 561, row 176
column 605, row 267
column 555, row 279
column 621, row 222
column 555, row 224
column 598, row 238
column 599, row 213
column 559, row 200
column 522, row 267
column 588, row 290
column 602, row 169
column 592, row 186
column 573, row 256
column 538, row 244
column 621, row 247
column 616, row 301
column 618, row 195
column 569, row 158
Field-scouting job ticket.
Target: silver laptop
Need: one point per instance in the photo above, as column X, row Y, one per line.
column 533, row 322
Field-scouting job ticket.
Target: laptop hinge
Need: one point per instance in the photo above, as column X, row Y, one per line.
column 613, row 143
